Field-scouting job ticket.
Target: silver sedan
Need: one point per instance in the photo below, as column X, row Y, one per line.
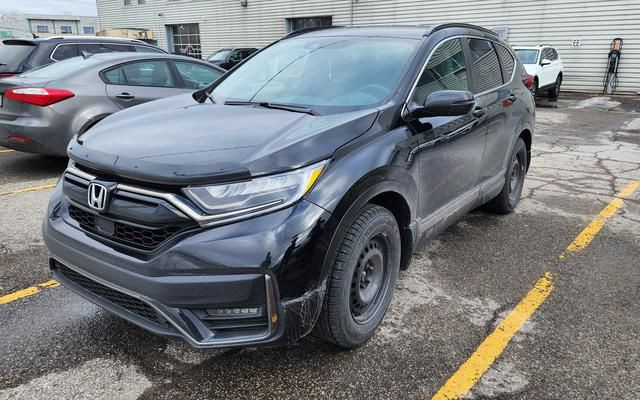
column 41, row 110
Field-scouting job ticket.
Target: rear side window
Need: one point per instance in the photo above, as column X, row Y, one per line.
column 196, row 76
column 14, row 54
column 64, row 51
column 553, row 55
column 445, row 70
column 145, row 73
column 98, row 48
column 486, row 68
column 146, row 49
column 506, row 62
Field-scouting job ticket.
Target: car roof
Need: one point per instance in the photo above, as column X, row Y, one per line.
column 404, row 31
column 105, row 60
column 78, row 39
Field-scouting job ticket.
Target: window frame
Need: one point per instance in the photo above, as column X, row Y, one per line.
column 63, row 44
column 175, row 76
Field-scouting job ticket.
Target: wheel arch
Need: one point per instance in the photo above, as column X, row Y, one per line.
column 527, row 138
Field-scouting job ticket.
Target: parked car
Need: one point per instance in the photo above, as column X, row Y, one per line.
column 42, row 109
column 21, row 55
column 287, row 196
column 545, row 65
column 228, row 58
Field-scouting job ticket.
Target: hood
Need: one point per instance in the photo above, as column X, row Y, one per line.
column 178, row 141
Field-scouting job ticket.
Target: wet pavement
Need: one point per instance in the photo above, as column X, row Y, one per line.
column 581, row 343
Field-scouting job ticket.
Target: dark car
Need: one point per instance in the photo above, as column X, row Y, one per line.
column 41, row 109
column 21, row 55
column 286, row 197
column 228, row 58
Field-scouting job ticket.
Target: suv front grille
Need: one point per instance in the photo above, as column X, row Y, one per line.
column 144, row 238
column 122, row 300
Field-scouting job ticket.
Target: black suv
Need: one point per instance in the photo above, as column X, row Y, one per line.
column 229, row 58
column 20, row 55
column 286, row 197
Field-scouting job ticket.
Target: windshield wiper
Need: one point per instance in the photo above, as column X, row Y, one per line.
column 277, row 106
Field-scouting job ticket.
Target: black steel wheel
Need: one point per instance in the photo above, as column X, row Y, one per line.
column 361, row 281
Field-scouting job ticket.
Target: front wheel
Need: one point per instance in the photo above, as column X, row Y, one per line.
column 362, row 278
column 508, row 199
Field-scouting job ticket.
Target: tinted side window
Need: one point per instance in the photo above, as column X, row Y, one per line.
column 486, row 68
column 145, row 73
column 554, row 54
column 445, row 70
column 506, row 62
column 546, row 55
column 145, row 49
column 65, row 51
column 196, row 76
column 97, row 48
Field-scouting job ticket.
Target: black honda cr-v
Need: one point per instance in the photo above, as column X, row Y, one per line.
column 285, row 198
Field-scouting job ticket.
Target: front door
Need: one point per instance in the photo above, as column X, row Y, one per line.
column 138, row 82
column 451, row 148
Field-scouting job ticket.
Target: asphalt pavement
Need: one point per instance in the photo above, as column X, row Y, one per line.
column 582, row 342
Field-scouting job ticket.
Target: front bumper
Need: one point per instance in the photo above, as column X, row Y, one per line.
column 247, row 283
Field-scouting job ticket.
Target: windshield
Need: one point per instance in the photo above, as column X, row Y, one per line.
column 325, row 72
column 527, row 56
column 60, row 69
column 219, row 55
column 14, row 54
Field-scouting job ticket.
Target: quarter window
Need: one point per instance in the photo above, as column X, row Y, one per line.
column 196, row 76
column 65, row 51
column 445, row 70
column 506, row 62
column 486, row 68
column 145, row 73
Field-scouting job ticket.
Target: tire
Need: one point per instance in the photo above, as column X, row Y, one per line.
column 554, row 92
column 534, row 88
column 362, row 278
column 508, row 199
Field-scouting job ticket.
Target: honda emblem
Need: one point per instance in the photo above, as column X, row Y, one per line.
column 97, row 196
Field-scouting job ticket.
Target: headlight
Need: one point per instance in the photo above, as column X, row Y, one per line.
column 232, row 199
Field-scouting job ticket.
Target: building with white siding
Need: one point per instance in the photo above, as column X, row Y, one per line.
column 581, row 30
column 44, row 25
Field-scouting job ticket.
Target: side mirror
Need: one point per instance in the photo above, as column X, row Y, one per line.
column 445, row 103
column 544, row 62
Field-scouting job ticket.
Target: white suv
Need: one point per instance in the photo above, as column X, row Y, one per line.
column 545, row 65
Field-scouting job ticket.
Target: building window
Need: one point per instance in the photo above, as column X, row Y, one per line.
column 141, row 2
column 42, row 29
column 65, row 29
column 185, row 39
column 128, row 2
column 88, row 30
column 293, row 24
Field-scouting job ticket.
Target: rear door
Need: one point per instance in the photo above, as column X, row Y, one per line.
column 546, row 76
column 137, row 82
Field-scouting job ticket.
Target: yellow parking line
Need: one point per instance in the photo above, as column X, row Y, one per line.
column 493, row 345
column 6, row 151
column 31, row 189
column 30, row 291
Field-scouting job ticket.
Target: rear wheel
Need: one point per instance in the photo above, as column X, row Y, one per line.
column 554, row 92
column 508, row 199
column 534, row 87
column 362, row 278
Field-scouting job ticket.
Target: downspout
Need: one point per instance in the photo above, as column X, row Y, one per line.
column 351, row 16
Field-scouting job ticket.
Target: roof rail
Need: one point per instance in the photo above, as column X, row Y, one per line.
column 307, row 30
column 544, row 44
column 461, row 25
column 119, row 39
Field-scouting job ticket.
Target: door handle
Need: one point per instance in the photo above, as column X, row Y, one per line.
column 125, row 96
column 478, row 112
